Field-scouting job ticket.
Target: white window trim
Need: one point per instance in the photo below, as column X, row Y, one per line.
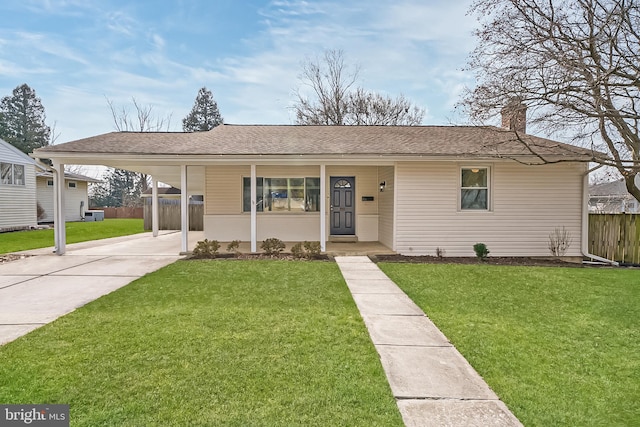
column 283, row 212
column 489, row 188
column 75, row 185
column 13, row 175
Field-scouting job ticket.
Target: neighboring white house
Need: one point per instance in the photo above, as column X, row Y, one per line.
column 414, row 189
column 76, row 194
column 613, row 197
column 17, row 189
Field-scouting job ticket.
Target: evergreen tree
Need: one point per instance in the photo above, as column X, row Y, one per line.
column 22, row 120
column 204, row 115
column 119, row 188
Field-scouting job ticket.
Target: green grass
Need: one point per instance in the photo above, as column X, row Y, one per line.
column 204, row 343
column 560, row 346
column 76, row 232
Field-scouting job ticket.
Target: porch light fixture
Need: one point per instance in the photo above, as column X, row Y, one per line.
column 475, row 170
column 383, row 184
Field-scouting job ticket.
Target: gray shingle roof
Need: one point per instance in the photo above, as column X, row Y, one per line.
column 460, row 141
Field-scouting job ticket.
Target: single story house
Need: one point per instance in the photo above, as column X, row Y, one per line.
column 17, row 189
column 613, row 197
column 25, row 184
column 76, row 194
column 414, row 189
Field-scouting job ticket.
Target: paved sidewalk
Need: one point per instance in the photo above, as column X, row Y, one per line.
column 37, row 290
column 431, row 381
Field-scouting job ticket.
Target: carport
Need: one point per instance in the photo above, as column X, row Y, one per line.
column 169, row 169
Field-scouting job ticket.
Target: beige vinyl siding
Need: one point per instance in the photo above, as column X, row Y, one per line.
column 385, row 206
column 223, row 189
column 288, row 171
column 527, row 203
column 18, row 202
column 223, row 184
column 44, row 195
column 72, row 199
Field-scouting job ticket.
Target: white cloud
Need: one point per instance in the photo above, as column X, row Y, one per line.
column 158, row 41
column 48, row 44
column 120, row 23
column 408, row 46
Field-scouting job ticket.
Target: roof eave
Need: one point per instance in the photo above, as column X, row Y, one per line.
column 201, row 159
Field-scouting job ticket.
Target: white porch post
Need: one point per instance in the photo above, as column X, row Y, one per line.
column 59, row 222
column 154, row 207
column 184, row 209
column 254, row 209
column 323, row 208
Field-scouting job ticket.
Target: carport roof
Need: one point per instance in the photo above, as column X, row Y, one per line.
column 287, row 140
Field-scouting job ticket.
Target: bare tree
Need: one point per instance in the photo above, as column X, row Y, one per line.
column 142, row 120
column 369, row 108
column 336, row 100
column 574, row 63
column 331, row 80
column 145, row 119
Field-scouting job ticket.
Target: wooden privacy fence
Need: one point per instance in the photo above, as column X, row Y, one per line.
column 169, row 215
column 121, row 212
column 615, row 236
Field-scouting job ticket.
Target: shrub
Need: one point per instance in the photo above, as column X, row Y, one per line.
column 39, row 211
column 272, row 246
column 233, row 246
column 206, row 249
column 312, row 248
column 297, row 251
column 559, row 241
column 481, row 251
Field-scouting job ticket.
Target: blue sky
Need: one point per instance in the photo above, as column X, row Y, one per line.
column 77, row 53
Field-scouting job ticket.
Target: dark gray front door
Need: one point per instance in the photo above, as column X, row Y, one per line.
column 343, row 197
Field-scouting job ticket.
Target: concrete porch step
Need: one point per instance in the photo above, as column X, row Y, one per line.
column 343, row 238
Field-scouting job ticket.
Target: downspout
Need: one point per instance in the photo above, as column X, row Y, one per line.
column 585, row 220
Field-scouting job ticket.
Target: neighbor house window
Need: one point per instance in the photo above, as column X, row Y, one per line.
column 71, row 184
column 282, row 194
column 11, row 174
column 49, row 183
column 474, row 189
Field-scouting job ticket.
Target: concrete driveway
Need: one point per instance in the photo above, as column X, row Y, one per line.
column 38, row 289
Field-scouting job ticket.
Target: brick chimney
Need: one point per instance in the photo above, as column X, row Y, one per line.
column 514, row 116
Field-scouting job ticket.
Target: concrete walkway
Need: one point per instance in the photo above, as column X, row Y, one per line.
column 37, row 290
column 431, row 381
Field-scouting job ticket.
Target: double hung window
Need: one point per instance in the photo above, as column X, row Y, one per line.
column 474, row 188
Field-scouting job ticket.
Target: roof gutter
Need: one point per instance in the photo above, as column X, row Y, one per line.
column 40, row 163
column 585, row 221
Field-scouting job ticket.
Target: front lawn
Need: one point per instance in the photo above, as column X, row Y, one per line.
column 208, row 343
column 560, row 346
column 76, row 232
